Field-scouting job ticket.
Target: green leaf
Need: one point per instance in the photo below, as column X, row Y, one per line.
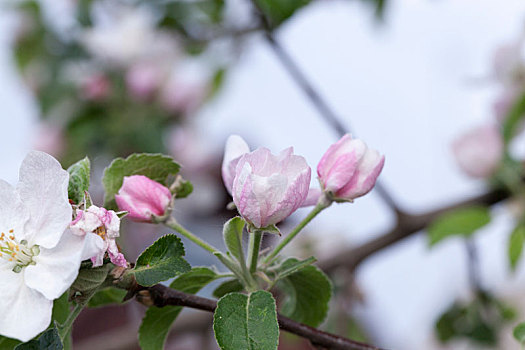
column 466, row 322
column 49, row 340
column 232, row 234
column 513, row 119
column 107, row 296
column 308, row 292
column 461, row 222
column 157, row 167
column 274, row 230
column 78, row 180
column 515, row 246
column 8, row 343
column 479, row 320
column 184, row 189
column 88, row 281
column 247, row 322
column 217, row 81
column 161, row 261
column 291, row 266
column 227, row 287
column 519, row 333
column 60, row 309
column 277, row 11
column 194, row 280
column 157, row 321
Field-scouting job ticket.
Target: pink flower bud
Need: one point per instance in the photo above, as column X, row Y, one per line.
column 349, row 168
column 267, row 188
column 479, row 152
column 235, row 148
column 142, row 197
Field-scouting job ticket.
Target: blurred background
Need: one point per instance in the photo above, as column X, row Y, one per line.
column 422, row 81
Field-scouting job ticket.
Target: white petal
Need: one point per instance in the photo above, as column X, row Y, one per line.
column 235, row 147
column 43, row 190
column 25, row 312
column 93, row 246
column 13, row 213
column 56, row 268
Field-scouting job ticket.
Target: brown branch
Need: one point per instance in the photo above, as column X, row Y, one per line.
column 160, row 296
column 407, row 225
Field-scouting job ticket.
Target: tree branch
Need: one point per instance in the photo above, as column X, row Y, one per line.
column 407, row 225
column 160, row 295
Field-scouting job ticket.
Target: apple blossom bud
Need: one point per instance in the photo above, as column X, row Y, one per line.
column 235, row 148
column 480, row 151
column 349, row 169
column 267, row 188
column 142, row 198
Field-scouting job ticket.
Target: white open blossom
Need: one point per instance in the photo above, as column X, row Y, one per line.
column 100, row 227
column 124, row 35
column 39, row 256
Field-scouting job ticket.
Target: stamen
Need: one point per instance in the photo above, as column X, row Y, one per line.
column 18, row 252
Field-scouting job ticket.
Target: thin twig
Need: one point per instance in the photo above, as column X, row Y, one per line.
column 473, row 265
column 160, row 296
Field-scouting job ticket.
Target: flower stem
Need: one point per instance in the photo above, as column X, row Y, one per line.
column 316, row 210
column 241, row 273
column 66, row 327
column 254, row 244
column 171, row 223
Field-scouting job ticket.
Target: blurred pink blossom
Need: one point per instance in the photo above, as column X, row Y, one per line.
column 49, row 138
column 507, row 62
column 349, row 169
column 95, row 87
column 479, row 151
column 192, row 149
column 142, row 198
column 144, row 79
column 267, row 188
column 183, row 96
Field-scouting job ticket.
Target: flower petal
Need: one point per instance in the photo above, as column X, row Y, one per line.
column 13, row 213
column 312, row 197
column 56, row 268
column 243, row 195
column 25, row 312
column 43, row 190
column 142, row 197
column 364, row 180
column 235, row 148
column 294, row 196
column 94, row 245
